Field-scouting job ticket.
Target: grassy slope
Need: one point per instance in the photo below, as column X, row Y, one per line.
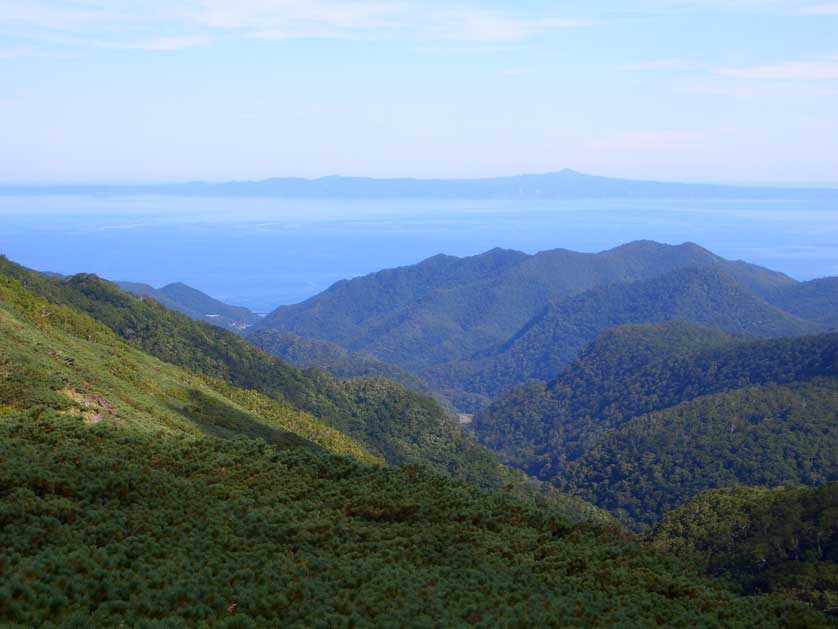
column 55, row 357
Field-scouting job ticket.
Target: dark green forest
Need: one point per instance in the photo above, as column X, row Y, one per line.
column 650, row 414
column 763, row 540
column 552, row 339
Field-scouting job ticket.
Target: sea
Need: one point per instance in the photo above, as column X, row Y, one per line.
column 263, row 252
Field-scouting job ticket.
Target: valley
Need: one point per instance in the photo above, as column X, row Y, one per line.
column 605, row 391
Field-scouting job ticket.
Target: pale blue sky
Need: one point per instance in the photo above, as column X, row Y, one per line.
column 154, row 90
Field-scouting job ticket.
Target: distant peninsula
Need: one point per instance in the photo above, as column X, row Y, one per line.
column 565, row 184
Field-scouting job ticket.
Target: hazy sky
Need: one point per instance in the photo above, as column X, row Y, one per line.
column 154, row 90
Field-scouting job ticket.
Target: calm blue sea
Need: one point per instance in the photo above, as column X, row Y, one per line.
column 261, row 253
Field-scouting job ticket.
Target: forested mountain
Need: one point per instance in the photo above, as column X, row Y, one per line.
column 448, row 309
column 555, row 336
column 194, row 304
column 816, row 300
column 399, row 425
column 308, row 353
column 648, row 415
column 764, row 540
column 136, row 492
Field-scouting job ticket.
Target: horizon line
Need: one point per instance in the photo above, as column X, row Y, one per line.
column 45, row 185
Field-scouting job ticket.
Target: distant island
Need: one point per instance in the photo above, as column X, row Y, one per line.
column 565, row 184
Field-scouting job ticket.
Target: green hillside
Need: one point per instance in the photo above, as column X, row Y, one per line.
column 816, row 300
column 55, row 358
column 763, row 540
column 552, row 340
column 194, row 304
column 398, row 425
column 767, row 435
column 670, row 399
column 136, row 492
column 309, row 353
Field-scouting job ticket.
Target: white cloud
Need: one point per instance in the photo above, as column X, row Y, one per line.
column 791, row 71
column 159, row 25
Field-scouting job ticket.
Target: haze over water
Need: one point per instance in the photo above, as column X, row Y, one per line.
column 261, row 253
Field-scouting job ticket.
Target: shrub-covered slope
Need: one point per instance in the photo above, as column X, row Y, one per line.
column 104, row 526
column 764, row 540
column 709, row 394
column 55, row 358
column 392, row 422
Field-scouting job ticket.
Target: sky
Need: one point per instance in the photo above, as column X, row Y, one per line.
column 113, row 91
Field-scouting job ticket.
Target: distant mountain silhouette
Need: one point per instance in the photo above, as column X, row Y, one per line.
column 565, row 184
column 194, row 304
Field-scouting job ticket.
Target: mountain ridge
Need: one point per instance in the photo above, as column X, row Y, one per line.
column 436, row 317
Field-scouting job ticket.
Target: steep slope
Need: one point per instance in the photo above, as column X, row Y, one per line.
column 553, row 338
column 390, row 421
column 447, row 309
column 764, row 540
column 590, row 432
column 195, row 305
column 53, row 357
